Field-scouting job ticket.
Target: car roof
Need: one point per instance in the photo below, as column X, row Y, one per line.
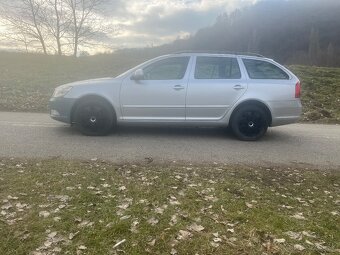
column 220, row 53
column 230, row 53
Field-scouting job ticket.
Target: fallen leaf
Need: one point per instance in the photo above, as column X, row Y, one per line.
column 173, row 252
column 44, row 214
column 122, row 188
column 124, row 206
column 152, row 243
column 196, row 228
column 56, row 219
column 280, row 240
column 82, row 247
column 183, row 235
column 299, row 247
column 119, row 243
column 6, row 207
column 159, row 210
column 217, row 240
column 71, row 236
column 153, row 221
column 308, row 234
column 173, row 220
column 215, row 245
column 133, row 227
column 249, row 205
column 47, row 244
column 174, row 201
column 298, row 216
column 294, row 235
column 52, row 234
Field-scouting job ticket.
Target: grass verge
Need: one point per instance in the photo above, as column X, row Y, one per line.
column 72, row 207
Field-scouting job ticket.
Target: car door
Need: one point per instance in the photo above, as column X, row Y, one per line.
column 215, row 85
column 160, row 95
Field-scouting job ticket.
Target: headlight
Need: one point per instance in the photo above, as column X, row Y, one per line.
column 61, row 91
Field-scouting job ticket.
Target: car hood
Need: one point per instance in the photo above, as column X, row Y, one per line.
column 92, row 82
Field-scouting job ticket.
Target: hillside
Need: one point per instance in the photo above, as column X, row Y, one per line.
column 292, row 32
column 27, row 81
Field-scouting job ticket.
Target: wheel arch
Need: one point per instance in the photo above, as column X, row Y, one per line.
column 253, row 102
column 92, row 97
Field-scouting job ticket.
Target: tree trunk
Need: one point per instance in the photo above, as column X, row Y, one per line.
column 58, row 28
column 76, row 34
column 36, row 26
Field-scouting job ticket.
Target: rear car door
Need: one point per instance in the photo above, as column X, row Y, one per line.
column 215, row 85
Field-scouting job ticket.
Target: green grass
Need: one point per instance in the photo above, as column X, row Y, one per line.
column 157, row 209
column 320, row 93
column 27, row 81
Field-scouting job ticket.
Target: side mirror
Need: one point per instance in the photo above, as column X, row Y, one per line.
column 138, row 75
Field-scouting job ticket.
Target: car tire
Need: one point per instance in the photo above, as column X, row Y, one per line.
column 94, row 118
column 249, row 123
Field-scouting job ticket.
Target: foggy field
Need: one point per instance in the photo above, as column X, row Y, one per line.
column 27, row 81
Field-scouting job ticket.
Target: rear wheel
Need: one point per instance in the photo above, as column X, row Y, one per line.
column 249, row 123
column 94, row 118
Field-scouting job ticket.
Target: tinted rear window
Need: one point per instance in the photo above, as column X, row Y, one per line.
column 217, row 68
column 258, row 69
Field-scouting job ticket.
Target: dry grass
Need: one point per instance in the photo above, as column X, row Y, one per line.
column 71, row 207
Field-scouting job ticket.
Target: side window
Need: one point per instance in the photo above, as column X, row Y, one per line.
column 258, row 69
column 167, row 69
column 217, row 68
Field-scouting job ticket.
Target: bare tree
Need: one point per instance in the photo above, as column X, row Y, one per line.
column 60, row 26
column 330, row 54
column 22, row 19
column 85, row 21
column 314, row 46
column 55, row 18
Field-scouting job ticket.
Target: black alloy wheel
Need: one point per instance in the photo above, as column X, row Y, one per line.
column 94, row 118
column 249, row 123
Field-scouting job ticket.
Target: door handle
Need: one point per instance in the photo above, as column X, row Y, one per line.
column 238, row 87
column 178, row 87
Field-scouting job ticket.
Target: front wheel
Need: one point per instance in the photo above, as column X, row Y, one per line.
column 94, row 118
column 249, row 123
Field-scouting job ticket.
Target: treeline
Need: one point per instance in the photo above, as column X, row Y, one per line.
column 292, row 32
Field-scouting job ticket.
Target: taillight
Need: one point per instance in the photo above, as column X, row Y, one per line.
column 298, row 90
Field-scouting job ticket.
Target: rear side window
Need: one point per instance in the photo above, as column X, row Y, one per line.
column 217, row 68
column 167, row 69
column 258, row 69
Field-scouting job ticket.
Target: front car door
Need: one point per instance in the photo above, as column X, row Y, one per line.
column 215, row 85
column 160, row 95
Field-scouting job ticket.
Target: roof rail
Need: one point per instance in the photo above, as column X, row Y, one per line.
column 220, row 52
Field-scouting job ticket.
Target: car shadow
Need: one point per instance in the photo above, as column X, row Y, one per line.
column 273, row 135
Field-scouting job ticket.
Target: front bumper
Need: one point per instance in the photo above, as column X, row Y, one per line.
column 61, row 109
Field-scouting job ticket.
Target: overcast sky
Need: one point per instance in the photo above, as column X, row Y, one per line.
column 154, row 22
column 147, row 22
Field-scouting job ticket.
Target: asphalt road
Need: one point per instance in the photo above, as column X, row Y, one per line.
column 32, row 135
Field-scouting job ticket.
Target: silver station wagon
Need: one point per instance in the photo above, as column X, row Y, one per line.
column 248, row 93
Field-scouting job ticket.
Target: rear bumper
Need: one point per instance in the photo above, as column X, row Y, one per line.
column 61, row 108
column 279, row 121
column 285, row 112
